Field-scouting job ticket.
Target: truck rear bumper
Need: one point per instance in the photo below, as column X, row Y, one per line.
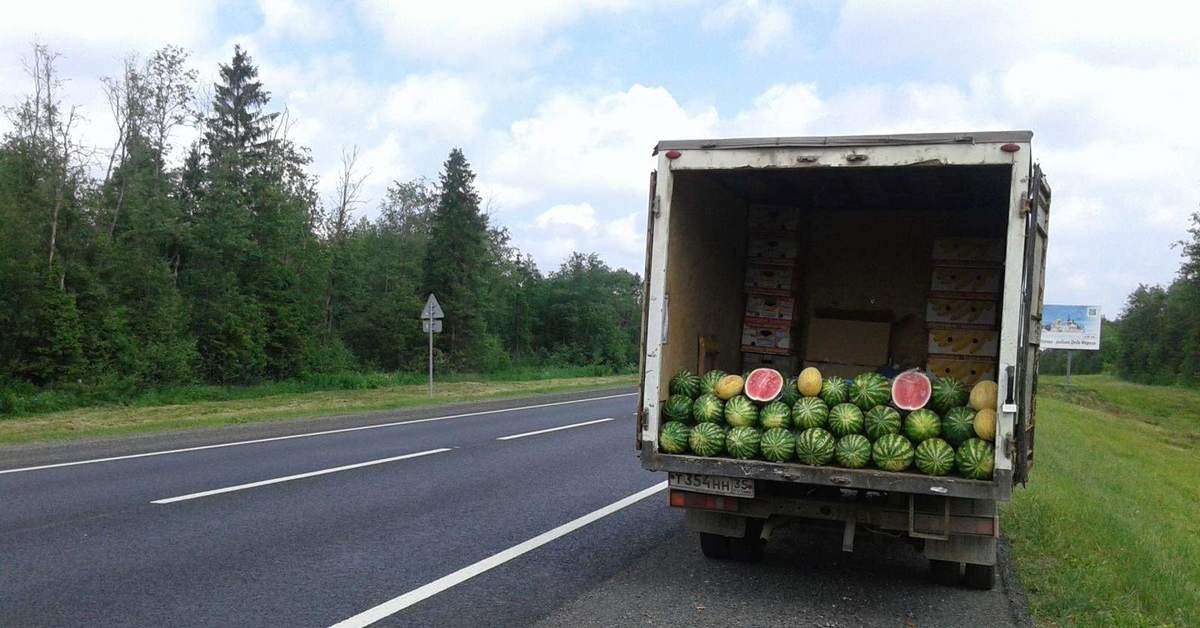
column 999, row 489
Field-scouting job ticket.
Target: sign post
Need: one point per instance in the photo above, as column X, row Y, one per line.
column 431, row 323
column 1071, row 327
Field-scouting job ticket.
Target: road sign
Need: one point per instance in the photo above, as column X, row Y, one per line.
column 432, row 309
column 435, row 323
column 1071, row 327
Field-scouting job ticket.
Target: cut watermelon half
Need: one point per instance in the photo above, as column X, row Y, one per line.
column 763, row 385
column 911, row 390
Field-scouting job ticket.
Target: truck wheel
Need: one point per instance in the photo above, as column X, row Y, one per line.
column 715, row 546
column 749, row 548
column 944, row 572
column 982, row 577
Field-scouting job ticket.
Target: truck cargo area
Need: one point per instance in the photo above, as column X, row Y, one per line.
column 860, row 240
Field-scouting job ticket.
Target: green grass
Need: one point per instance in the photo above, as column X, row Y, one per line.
column 1108, row 531
column 211, row 406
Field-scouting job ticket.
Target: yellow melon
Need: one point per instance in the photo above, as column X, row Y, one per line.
column 983, row 395
column 809, row 382
column 985, row 424
column 729, row 387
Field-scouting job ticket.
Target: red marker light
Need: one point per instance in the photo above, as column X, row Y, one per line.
column 673, row 154
column 1010, row 148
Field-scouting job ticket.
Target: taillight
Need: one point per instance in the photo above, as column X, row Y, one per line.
column 673, row 154
column 688, row 499
column 1010, row 148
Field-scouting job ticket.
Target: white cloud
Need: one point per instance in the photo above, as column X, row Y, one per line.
column 628, row 234
column 131, row 23
column 768, row 24
column 299, row 19
column 781, row 110
column 434, row 103
column 601, row 142
column 580, row 215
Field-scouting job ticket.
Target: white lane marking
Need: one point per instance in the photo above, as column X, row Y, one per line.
column 298, row 476
column 554, row 429
column 402, row 602
column 310, row 434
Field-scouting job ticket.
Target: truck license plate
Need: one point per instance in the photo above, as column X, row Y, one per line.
column 712, row 484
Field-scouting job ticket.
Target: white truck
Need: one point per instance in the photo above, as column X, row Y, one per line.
column 850, row 253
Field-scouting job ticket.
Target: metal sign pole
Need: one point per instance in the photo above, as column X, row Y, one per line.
column 1069, row 352
column 430, row 358
column 431, row 318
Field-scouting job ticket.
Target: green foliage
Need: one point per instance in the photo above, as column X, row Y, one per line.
column 225, row 273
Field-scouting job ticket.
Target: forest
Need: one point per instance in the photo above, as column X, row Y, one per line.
column 154, row 263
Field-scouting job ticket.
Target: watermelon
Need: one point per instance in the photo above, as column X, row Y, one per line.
column 985, row 424
column 708, row 409
column 958, row 425
column 947, row 393
column 975, row 459
column 881, row 420
column 678, row 408
column 845, row 418
column 764, row 385
column 790, row 393
column 834, row 390
column 934, row 457
column 869, row 390
column 708, row 383
column 673, row 437
column 922, row 424
column 729, row 387
column 892, row 452
column 707, row 439
column 740, row 412
column 810, row 412
column 911, row 390
column 742, row 442
column 778, row 445
column 685, row 383
column 853, row 451
column 983, row 395
column 775, row 414
column 815, row 446
column 809, row 382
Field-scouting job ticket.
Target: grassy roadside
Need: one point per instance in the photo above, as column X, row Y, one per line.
column 1108, row 531
column 145, row 417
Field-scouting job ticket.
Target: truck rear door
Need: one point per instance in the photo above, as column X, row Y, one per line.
column 1024, row 391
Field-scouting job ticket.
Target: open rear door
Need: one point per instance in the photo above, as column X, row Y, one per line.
column 1032, row 284
column 641, row 412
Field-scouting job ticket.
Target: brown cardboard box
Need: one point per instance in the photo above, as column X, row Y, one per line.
column 848, row 342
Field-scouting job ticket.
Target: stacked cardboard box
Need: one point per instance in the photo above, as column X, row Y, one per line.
column 962, row 313
column 768, row 326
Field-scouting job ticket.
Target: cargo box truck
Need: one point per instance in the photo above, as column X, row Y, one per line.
column 852, row 254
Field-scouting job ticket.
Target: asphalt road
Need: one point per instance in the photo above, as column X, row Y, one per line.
column 426, row 518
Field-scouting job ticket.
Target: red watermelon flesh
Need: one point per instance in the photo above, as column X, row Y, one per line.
column 763, row 385
column 911, row 390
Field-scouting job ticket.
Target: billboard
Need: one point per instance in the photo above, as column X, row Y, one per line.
column 1071, row 327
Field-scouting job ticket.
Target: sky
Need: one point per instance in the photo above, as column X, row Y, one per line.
column 557, row 104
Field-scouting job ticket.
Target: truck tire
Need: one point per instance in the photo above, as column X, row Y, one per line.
column 945, row 572
column 747, row 548
column 982, row 577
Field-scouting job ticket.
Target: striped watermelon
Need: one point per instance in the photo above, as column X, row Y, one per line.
column 922, row 424
column 815, row 446
column 673, row 437
column 707, row 408
column 708, row 383
column 741, row 412
column 707, row 439
column 892, row 452
column 947, row 393
column 678, row 408
column 810, row 412
column 958, row 425
column 778, row 445
column 881, row 420
column 975, row 459
column 934, row 457
column 685, row 383
column 742, row 442
column 790, row 393
column 775, row 414
column 853, row 451
column 869, row 390
column 845, row 418
column 834, row 390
